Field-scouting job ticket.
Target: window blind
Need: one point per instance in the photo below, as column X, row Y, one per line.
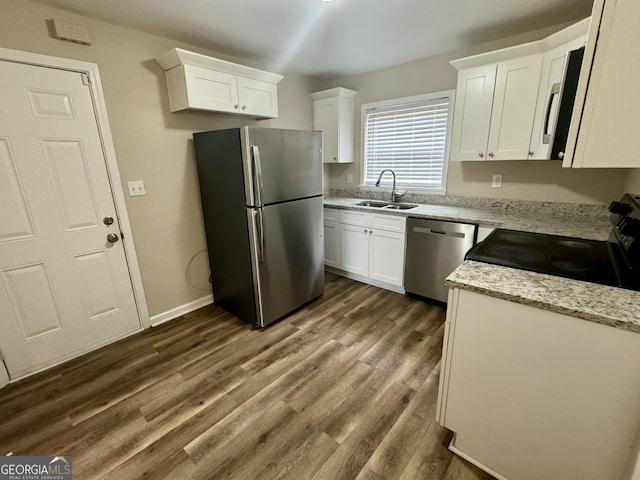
column 408, row 138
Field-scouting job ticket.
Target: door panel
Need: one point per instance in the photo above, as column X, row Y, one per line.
column 33, row 304
column 63, row 287
column 291, row 163
column 15, row 222
column 292, row 272
column 68, row 174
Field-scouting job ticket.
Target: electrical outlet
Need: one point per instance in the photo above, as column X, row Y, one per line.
column 136, row 188
column 496, row 181
column 349, row 177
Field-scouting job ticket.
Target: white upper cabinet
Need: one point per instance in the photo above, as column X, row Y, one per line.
column 605, row 123
column 333, row 116
column 494, row 110
column 514, row 105
column 499, row 95
column 204, row 83
column 472, row 114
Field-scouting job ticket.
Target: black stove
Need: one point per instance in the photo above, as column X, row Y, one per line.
column 614, row 262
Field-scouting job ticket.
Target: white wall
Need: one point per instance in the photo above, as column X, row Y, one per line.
column 152, row 144
column 528, row 180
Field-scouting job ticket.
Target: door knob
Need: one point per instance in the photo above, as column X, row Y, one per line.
column 112, row 238
column 108, row 220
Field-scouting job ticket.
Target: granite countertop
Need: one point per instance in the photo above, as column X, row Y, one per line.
column 558, row 221
column 612, row 306
column 602, row 304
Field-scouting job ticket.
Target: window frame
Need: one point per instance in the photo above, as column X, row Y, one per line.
column 399, row 101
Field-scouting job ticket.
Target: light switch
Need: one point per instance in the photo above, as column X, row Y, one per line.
column 136, row 188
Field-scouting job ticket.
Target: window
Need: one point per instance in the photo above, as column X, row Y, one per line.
column 409, row 136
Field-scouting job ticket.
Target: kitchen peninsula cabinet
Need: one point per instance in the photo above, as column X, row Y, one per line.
column 533, row 394
column 605, row 122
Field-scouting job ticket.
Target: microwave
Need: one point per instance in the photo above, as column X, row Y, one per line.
column 560, row 104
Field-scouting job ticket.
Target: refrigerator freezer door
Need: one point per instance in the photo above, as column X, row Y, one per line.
column 281, row 165
column 288, row 256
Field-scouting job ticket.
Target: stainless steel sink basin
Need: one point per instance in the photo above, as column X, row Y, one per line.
column 401, row 206
column 372, row 203
column 386, row 205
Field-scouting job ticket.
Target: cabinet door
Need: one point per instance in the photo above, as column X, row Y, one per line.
column 325, row 119
column 607, row 134
column 354, row 241
column 538, row 386
column 472, row 114
column 553, row 65
column 257, row 98
column 210, row 90
column 386, row 256
column 514, row 105
column 332, row 244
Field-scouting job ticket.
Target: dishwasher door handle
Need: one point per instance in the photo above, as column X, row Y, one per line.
column 438, row 232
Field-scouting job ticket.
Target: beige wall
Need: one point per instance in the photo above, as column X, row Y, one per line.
column 526, row 180
column 151, row 143
column 633, row 182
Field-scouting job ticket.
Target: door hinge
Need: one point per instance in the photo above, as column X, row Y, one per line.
column 85, row 79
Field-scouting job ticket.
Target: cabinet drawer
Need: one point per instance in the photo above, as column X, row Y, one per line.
column 331, row 215
column 351, row 217
column 392, row 223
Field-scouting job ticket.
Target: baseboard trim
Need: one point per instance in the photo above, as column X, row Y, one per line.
column 181, row 310
column 367, row 280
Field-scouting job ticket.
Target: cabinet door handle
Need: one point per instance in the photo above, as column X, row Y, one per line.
column 244, row 107
column 491, row 154
column 236, row 106
column 481, row 155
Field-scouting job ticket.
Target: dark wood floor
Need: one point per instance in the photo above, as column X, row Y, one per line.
column 345, row 388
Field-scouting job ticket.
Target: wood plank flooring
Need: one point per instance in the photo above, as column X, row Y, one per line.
column 345, row 388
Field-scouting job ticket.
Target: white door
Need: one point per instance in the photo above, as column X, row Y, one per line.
column 514, row 106
column 64, row 288
column 472, row 113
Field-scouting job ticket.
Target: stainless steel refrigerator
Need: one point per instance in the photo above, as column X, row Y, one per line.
column 261, row 191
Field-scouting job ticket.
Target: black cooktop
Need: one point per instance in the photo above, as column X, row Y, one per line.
column 575, row 258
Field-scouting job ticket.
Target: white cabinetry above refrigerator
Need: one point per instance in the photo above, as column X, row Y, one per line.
column 204, row 83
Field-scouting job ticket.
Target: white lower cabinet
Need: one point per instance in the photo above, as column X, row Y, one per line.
column 370, row 246
column 532, row 394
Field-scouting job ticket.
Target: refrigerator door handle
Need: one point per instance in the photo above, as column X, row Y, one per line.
column 257, row 215
column 257, row 167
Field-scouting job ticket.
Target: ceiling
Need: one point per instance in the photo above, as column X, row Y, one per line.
column 342, row 37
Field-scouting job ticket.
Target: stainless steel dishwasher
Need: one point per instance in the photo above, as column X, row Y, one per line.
column 434, row 250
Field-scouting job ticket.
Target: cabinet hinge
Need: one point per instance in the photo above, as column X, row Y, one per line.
column 85, row 79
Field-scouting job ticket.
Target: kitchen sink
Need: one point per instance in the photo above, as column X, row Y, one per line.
column 401, row 206
column 386, row 205
column 372, row 203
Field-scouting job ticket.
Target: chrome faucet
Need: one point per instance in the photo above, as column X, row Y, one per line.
column 395, row 195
